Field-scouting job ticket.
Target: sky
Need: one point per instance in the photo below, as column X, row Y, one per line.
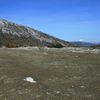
column 70, row 20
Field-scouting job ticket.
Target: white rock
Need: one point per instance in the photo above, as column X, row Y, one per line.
column 57, row 92
column 30, row 79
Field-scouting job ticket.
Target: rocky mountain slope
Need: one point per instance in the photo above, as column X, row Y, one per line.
column 14, row 35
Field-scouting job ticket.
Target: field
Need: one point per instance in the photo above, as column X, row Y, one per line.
column 60, row 74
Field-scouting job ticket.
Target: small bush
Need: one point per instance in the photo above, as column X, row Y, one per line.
column 9, row 45
column 56, row 45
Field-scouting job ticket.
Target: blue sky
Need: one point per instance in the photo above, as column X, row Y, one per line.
column 70, row 20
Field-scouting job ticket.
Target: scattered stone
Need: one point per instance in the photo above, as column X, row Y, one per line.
column 76, row 77
column 72, row 85
column 37, row 96
column 70, row 90
column 89, row 95
column 83, row 87
column 68, row 95
column 58, row 92
column 48, row 93
column 45, row 53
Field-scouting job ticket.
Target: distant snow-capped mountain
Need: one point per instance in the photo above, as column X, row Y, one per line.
column 83, row 43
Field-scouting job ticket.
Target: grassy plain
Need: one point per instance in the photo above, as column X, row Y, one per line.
column 60, row 75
